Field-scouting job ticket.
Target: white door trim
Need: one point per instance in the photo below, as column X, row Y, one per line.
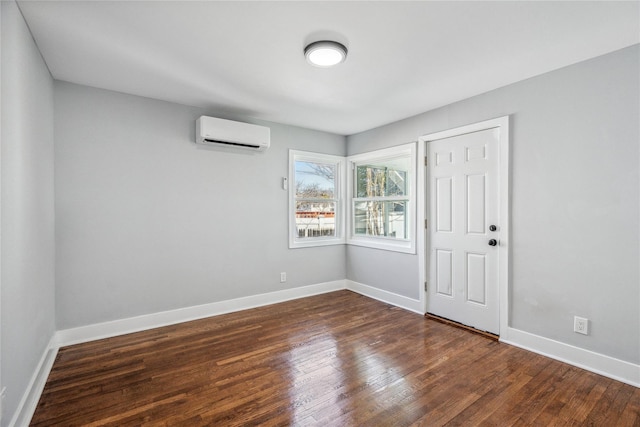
column 504, row 188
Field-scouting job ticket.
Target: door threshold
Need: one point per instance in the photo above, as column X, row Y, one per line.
column 446, row 321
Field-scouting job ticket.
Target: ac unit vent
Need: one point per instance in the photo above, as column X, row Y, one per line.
column 214, row 131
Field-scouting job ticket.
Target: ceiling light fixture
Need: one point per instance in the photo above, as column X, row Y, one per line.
column 325, row 53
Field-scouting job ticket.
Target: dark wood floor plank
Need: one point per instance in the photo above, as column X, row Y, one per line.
column 338, row 359
column 631, row 414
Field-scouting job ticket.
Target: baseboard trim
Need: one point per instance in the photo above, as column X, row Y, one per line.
column 155, row 320
column 385, row 296
column 601, row 364
column 27, row 406
column 616, row 369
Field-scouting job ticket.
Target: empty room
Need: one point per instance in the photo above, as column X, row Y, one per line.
column 342, row 213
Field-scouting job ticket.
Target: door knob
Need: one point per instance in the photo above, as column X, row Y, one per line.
column 493, row 242
column 492, row 228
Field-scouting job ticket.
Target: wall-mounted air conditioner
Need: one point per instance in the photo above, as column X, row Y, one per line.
column 213, row 131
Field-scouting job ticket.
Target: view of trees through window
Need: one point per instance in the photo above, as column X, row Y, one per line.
column 380, row 204
column 365, row 199
column 315, row 199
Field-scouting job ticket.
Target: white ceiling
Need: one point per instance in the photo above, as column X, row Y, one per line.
column 247, row 57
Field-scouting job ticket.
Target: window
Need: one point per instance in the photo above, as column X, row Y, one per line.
column 316, row 210
column 381, row 192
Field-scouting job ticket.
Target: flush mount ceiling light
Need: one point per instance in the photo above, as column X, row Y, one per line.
column 325, row 53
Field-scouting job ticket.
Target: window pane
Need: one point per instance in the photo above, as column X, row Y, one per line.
column 315, row 180
column 315, row 219
column 386, row 219
column 388, row 178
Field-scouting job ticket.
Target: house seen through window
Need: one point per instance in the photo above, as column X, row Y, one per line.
column 316, row 208
column 315, row 199
column 373, row 205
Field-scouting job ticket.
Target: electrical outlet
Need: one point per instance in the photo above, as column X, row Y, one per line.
column 581, row 325
column 283, row 277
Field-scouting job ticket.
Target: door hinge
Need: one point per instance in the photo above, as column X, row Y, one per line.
column 426, row 225
column 425, row 286
column 425, row 160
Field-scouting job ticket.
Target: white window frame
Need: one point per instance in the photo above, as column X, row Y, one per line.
column 306, row 242
column 381, row 242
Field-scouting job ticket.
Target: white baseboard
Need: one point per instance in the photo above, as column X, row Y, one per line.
column 171, row 317
column 27, row 406
column 29, row 401
column 154, row 320
column 619, row 370
column 601, row 364
column 385, row 296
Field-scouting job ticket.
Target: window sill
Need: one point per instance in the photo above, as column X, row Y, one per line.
column 296, row 244
column 403, row 246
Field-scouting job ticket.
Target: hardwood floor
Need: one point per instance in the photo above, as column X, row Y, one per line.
column 338, row 359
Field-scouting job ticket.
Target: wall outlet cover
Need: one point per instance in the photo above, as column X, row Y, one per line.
column 581, row 325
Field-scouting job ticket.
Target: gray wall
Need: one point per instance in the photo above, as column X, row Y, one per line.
column 147, row 221
column 575, row 201
column 27, row 279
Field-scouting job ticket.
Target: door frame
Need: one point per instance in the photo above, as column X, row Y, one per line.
column 504, row 249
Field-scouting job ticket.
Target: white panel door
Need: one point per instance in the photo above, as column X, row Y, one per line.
column 464, row 210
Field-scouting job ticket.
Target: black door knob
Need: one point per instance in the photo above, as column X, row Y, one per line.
column 492, row 228
column 493, row 242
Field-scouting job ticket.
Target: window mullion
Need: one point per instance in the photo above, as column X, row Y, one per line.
column 308, row 199
column 382, row 199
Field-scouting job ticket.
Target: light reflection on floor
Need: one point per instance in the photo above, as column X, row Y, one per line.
column 320, row 387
